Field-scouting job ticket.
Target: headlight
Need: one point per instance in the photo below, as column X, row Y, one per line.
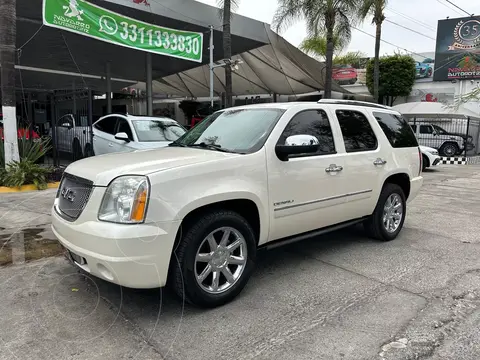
column 125, row 200
column 434, row 152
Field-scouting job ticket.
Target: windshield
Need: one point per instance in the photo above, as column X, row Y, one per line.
column 236, row 130
column 157, row 130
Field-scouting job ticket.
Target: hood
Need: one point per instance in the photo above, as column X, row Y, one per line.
column 427, row 149
column 458, row 134
column 151, row 144
column 104, row 168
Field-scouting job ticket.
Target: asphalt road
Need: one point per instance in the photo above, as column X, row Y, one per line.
column 340, row 296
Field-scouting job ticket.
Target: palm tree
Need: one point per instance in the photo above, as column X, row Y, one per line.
column 317, row 46
column 323, row 17
column 376, row 9
column 227, row 7
column 8, row 30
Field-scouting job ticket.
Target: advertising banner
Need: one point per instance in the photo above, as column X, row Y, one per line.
column 457, row 54
column 86, row 19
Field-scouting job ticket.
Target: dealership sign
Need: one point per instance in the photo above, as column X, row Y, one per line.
column 457, row 54
column 93, row 21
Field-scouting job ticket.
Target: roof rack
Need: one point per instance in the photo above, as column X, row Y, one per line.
column 353, row 102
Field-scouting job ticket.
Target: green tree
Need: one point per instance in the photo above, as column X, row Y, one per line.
column 397, row 77
column 375, row 8
column 354, row 58
column 323, row 17
column 317, row 45
column 227, row 7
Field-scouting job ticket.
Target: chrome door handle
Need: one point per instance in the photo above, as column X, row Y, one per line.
column 333, row 168
column 379, row 162
column 110, row 144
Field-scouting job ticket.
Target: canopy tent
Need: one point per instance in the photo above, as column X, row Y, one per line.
column 277, row 67
column 430, row 110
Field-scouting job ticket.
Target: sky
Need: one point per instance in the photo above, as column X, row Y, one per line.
column 418, row 15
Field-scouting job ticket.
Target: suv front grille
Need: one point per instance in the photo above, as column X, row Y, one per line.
column 73, row 194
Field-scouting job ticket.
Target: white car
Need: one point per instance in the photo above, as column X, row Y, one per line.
column 122, row 133
column 430, row 156
column 253, row 176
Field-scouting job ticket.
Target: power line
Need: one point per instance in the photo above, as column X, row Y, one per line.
column 389, row 43
column 421, row 23
column 448, row 7
column 407, row 28
column 458, row 7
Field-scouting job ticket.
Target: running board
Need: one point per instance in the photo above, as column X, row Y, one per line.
column 309, row 235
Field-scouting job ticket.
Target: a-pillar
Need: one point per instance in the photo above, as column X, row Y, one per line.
column 149, row 82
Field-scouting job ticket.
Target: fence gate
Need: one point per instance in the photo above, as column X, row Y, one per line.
column 71, row 132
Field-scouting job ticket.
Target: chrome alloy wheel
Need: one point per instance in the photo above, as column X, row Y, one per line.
column 392, row 213
column 220, row 260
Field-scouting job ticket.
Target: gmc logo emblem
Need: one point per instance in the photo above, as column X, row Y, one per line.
column 68, row 194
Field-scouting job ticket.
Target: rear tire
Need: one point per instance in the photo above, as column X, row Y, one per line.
column 77, row 150
column 197, row 265
column 376, row 225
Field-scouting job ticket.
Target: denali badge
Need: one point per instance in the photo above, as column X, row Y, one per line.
column 68, row 194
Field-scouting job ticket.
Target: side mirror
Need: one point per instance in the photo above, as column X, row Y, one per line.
column 297, row 144
column 122, row 136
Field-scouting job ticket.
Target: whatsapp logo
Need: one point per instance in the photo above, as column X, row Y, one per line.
column 108, row 25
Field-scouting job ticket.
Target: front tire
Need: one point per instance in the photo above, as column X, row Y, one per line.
column 425, row 162
column 215, row 258
column 387, row 220
column 449, row 149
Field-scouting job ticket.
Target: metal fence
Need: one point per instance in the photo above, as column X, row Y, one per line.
column 451, row 137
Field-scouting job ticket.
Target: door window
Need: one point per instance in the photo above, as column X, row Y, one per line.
column 123, row 126
column 107, row 125
column 314, row 123
column 426, row 129
column 414, row 128
column 396, row 129
column 65, row 121
column 356, row 130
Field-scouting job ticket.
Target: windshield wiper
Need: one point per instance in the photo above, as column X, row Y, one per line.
column 215, row 147
column 176, row 144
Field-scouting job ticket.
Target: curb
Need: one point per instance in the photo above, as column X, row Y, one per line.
column 24, row 188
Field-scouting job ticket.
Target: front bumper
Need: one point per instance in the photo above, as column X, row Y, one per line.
column 135, row 256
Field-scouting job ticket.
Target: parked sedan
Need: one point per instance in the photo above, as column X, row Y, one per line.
column 122, row 133
column 430, row 157
column 345, row 74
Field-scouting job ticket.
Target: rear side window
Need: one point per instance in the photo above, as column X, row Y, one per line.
column 357, row 133
column 397, row 130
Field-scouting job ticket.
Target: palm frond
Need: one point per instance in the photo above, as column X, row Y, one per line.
column 288, row 13
column 233, row 7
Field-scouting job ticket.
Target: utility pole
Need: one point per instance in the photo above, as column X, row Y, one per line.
column 8, row 33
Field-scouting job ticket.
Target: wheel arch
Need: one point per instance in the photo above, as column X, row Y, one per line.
column 401, row 179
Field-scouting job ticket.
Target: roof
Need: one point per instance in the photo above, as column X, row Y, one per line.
column 434, row 110
column 278, row 67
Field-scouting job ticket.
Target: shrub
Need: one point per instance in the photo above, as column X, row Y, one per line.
column 18, row 173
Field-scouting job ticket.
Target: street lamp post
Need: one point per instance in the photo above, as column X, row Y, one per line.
column 212, row 66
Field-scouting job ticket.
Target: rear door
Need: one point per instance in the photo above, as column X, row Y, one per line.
column 104, row 134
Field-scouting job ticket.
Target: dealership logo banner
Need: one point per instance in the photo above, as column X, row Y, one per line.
column 457, row 53
column 86, row 19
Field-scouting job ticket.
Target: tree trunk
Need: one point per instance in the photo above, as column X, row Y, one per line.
column 376, row 63
column 329, row 60
column 8, row 30
column 227, row 51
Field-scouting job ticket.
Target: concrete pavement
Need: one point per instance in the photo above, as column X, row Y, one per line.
column 340, row 296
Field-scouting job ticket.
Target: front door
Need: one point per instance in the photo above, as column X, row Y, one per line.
column 305, row 192
column 104, row 135
column 120, row 145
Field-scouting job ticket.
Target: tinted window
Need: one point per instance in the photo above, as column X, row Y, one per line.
column 107, row 125
column 414, row 128
column 396, row 129
column 356, row 130
column 426, row 129
column 123, row 126
column 314, row 123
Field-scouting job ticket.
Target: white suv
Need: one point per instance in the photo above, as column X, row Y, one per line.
column 196, row 212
